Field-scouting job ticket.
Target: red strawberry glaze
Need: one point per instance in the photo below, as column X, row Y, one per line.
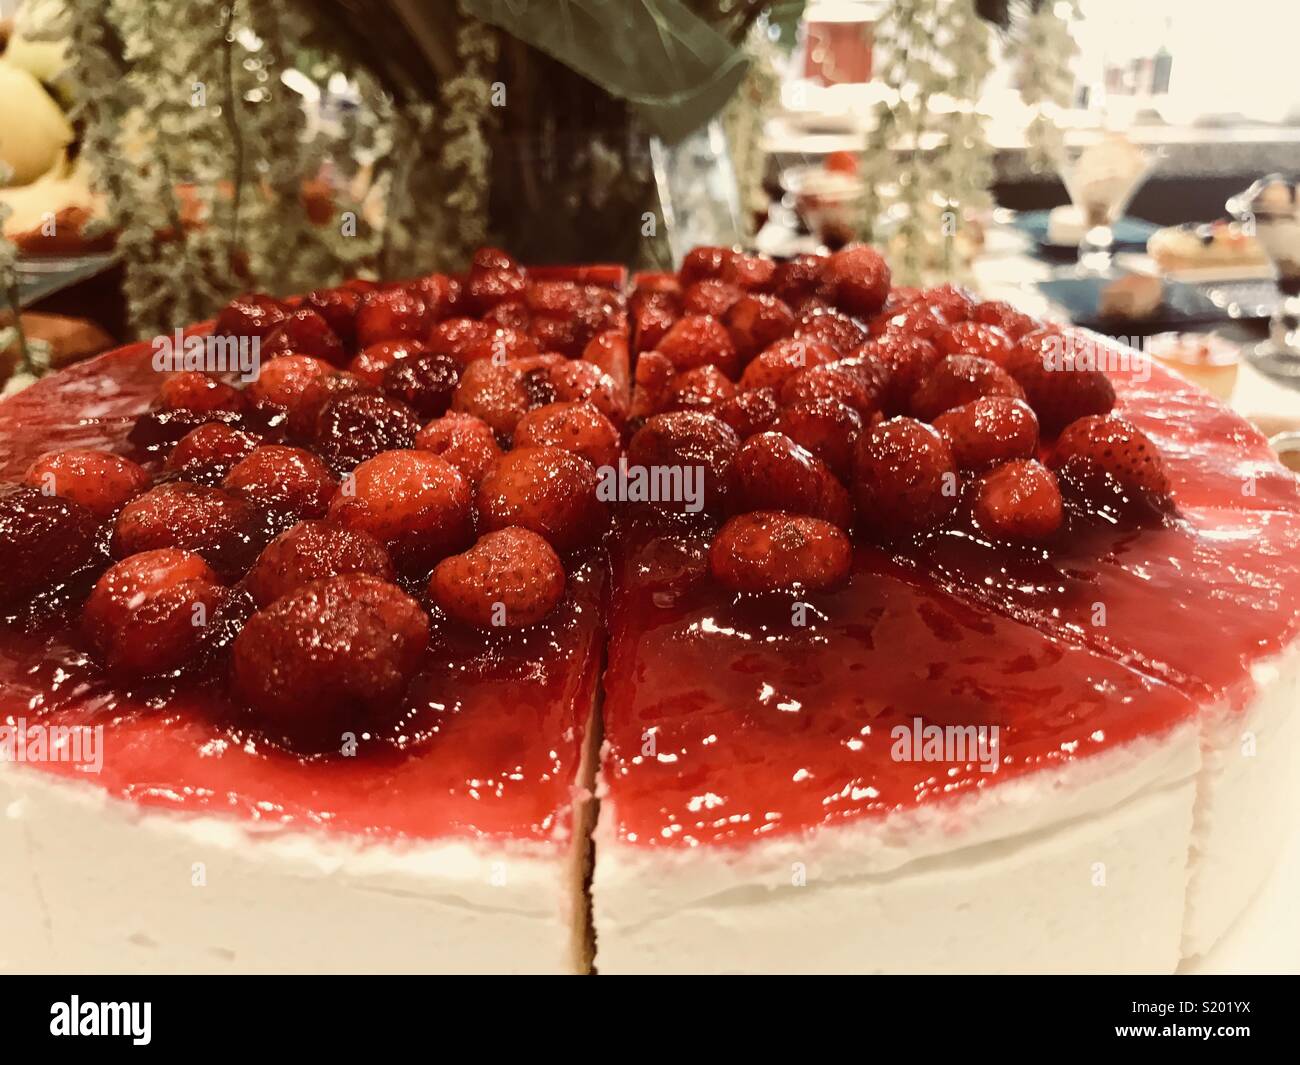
column 1195, row 600
column 756, row 723
column 762, row 727
column 490, row 746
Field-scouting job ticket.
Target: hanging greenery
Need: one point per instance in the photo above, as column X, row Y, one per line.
column 743, row 119
column 1044, row 52
column 929, row 164
column 460, row 123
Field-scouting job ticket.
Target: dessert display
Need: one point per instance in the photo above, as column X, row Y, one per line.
column 1274, row 207
column 896, row 593
column 1134, row 297
column 1206, row 360
column 1196, row 247
column 53, row 215
column 1103, row 178
column 1066, row 225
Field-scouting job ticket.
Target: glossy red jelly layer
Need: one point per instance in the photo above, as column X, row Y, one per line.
column 1194, row 602
column 726, row 721
column 490, row 745
column 731, row 717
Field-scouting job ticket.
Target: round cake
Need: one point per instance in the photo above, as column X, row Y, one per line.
column 761, row 617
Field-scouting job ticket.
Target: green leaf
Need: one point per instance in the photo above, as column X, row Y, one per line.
column 671, row 66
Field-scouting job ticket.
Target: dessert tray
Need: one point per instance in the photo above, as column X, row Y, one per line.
column 760, row 617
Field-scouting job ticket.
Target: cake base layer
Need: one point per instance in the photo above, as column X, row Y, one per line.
column 1247, row 798
column 1124, row 862
column 1071, row 870
column 95, row 884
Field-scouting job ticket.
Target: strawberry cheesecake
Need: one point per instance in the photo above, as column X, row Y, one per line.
column 921, row 636
column 277, row 605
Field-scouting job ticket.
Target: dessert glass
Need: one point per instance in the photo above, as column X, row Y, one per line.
column 1102, row 173
column 1271, row 207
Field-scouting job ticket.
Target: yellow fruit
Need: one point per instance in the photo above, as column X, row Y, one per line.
column 33, row 131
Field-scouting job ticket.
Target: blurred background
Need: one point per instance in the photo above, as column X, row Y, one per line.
column 1129, row 166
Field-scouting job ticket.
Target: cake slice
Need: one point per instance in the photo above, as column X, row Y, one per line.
column 256, row 808
column 1049, row 537
column 878, row 778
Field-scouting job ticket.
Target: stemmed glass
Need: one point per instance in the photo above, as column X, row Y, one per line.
column 1270, row 209
column 1102, row 171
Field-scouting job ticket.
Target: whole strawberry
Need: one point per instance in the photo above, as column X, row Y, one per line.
column 468, row 443
column 305, row 332
column 546, row 489
column 988, row 431
column 44, row 541
column 826, row 427
column 906, row 359
column 500, row 345
column 682, row 441
column 749, row 412
column 859, row 279
column 772, row 472
column 652, row 317
column 371, row 363
column 192, row 390
column 783, row 360
column 441, row 294
column 960, row 379
column 500, row 394
column 712, row 296
column 579, row 381
column 338, row 306
column 857, row 383
column 283, row 382
column 703, row 261
column 756, row 321
column 801, row 278
column 146, row 614
column 1011, row 321
column 215, row 524
column 830, row 327
column 287, row 484
column 576, row 427
column 454, row 337
column 1018, row 501
column 310, row 551
column 751, row 273
column 653, row 384
column 391, row 314
column 1110, row 469
column 330, row 658
column 698, row 340
column 511, row 578
column 253, row 314
column 905, row 479
column 99, row 480
column 206, row 454
column 976, row 338
column 413, row 502
column 1057, row 381
column 700, row 389
column 768, row 550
